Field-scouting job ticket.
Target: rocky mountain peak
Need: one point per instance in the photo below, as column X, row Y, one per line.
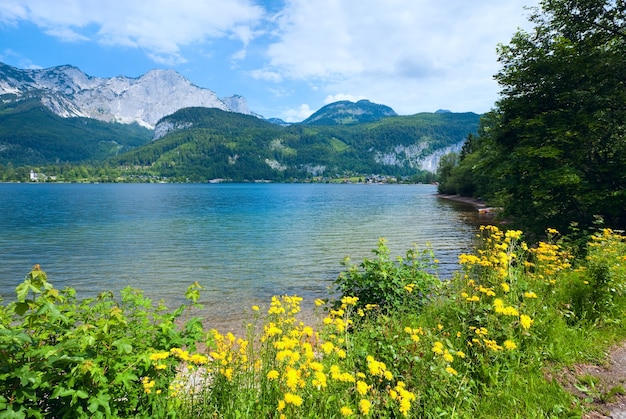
column 69, row 92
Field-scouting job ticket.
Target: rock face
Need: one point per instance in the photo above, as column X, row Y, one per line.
column 414, row 156
column 68, row 92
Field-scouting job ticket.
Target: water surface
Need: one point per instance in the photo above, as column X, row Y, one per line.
column 242, row 242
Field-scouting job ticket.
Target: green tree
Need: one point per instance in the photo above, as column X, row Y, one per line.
column 554, row 150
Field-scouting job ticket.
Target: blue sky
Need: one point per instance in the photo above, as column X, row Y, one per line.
column 288, row 58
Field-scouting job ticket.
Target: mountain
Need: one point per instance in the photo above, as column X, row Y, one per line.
column 200, row 144
column 68, row 92
column 162, row 125
column 31, row 134
column 347, row 113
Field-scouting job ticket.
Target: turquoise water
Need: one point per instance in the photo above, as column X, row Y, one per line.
column 242, row 242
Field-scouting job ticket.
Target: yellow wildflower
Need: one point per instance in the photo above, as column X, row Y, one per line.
column 293, row 399
column 319, row 380
column 438, row 348
column 509, row 345
column 281, row 405
column 525, row 321
column 328, row 347
column 159, row 355
column 362, row 387
column 272, row 375
column 451, row 370
column 346, row 411
column 364, row 406
column 530, row 294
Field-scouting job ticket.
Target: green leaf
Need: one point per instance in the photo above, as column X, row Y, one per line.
column 123, row 346
column 82, row 394
column 12, row 414
column 22, row 290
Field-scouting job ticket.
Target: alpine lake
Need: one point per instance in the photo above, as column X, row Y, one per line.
column 243, row 243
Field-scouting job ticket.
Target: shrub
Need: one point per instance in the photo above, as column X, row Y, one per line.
column 60, row 357
column 404, row 283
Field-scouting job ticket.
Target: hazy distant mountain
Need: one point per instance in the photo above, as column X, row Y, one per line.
column 68, row 92
column 347, row 113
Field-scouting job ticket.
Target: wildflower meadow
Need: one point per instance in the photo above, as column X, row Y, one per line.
column 395, row 342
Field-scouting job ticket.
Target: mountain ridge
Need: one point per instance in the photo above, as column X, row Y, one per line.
column 69, row 92
column 167, row 127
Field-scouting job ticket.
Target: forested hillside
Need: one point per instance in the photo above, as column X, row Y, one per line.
column 203, row 144
column 30, row 134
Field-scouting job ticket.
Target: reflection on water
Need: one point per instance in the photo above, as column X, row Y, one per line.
column 242, row 242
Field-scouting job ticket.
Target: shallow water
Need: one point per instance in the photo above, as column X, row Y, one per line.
column 242, row 242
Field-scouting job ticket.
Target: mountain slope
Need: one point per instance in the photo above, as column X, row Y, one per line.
column 68, row 92
column 31, row 134
column 200, row 144
column 347, row 113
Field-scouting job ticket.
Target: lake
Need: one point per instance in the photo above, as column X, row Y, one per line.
column 242, row 242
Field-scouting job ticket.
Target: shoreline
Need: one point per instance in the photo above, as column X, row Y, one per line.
column 478, row 204
column 475, row 202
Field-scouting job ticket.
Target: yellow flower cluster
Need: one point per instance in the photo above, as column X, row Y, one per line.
column 403, row 397
column 148, row 384
column 497, row 254
column 307, row 361
column 414, row 333
column 548, row 259
column 610, row 246
column 493, row 293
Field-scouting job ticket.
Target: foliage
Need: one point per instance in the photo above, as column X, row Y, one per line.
column 553, row 149
column 481, row 344
column 219, row 144
column 404, row 283
column 61, row 357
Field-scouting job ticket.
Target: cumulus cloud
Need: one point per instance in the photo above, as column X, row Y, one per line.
column 405, row 50
column 159, row 27
column 342, row 96
column 297, row 115
column 413, row 55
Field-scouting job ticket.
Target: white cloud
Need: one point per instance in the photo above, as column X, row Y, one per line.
column 66, row 34
column 160, row 27
column 266, row 75
column 342, row 96
column 398, row 51
column 297, row 115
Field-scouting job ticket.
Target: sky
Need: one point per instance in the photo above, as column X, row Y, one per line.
column 288, row 58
